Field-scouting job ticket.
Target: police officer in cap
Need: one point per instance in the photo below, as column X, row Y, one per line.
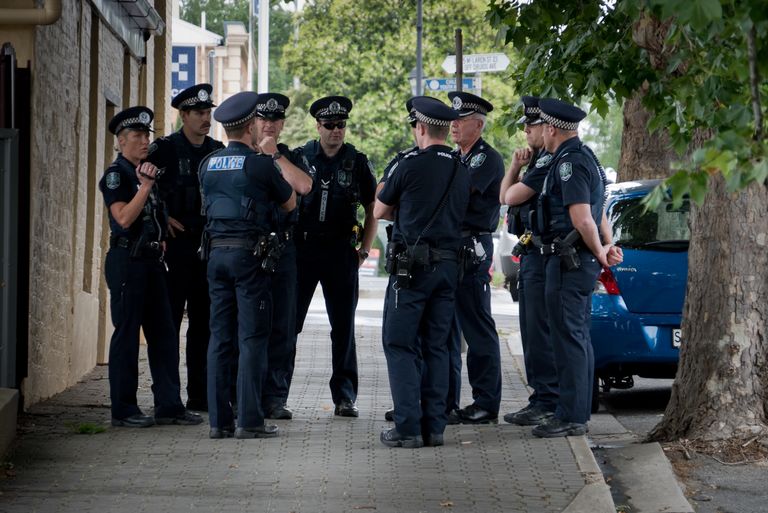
column 136, row 275
column 570, row 210
column 270, row 118
column 473, row 296
column 240, row 189
column 178, row 156
column 521, row 193
column 427, row 199
column 331, row 243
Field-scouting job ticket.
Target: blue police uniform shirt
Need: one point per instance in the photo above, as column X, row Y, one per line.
column 120, row 184
column 534, row 177
column 240, row 188
column 286, row 220
column 340, row 183
column 573, row 178
column 416, row 189
column 179, row 185
column 486, row 170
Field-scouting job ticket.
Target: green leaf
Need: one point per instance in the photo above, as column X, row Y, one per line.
column 698, row 187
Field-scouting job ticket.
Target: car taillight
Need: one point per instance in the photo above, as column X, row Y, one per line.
column 515, row 258
column 606, row 283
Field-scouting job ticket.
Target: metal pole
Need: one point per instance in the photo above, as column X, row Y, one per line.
column 419, row 31
column 263, row 65
column 249, row 80
column 459, row 60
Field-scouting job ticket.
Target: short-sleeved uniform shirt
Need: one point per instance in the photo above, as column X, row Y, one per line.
column 286, row 220
column 534, row 177
column 120, row 184
column 486, row 170
column 395, row 162
column 416, row 190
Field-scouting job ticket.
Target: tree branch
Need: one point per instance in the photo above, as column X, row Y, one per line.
column 754, row 83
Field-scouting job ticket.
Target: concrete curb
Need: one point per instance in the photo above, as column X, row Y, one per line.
column 595, row 497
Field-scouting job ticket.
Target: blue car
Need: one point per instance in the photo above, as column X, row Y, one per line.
column 637, row 305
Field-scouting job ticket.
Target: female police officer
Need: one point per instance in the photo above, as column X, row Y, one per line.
column 135, row 276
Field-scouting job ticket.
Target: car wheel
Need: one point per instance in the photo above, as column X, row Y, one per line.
column 595, row 395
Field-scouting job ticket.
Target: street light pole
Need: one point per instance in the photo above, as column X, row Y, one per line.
column 263, row 67
column 419, row 30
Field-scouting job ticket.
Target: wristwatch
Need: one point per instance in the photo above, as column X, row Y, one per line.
column 277, row 155
column 363, row 253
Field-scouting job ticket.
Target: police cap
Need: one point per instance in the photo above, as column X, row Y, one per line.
column 196, row 97
column 432, row 111
column 468, row 103
column 237, row 110
column 272, row 105
column 560, row 114
column 409, row 107
column 133, row 118
column 331, row 107
column 531, row 111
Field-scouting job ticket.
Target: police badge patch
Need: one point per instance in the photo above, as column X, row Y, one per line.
column 113, row 180
column 566, row 171
column 344, row 178
column 202, row 95
column 457, row 103
column 544, row 160
column 477, row 160
column 144, row 118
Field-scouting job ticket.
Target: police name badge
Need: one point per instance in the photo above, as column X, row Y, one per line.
column 477, row 160
column 543, row 161
column 566, row 171
column 113, row 180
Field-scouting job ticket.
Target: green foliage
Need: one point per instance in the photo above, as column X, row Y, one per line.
column 86, row 428
column 216, row 12
column 695, row 76
column 365, row 49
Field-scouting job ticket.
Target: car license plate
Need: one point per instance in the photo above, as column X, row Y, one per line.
column 676, row 336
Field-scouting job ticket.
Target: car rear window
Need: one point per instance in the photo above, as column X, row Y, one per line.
column 662, row 229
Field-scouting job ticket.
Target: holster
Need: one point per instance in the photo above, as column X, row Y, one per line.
column 205, row 247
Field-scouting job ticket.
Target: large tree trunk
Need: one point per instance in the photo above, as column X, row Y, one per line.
column 721, row 384
column 643, row 155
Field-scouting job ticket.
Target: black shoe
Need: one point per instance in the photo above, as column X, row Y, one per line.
column 473, row 414
column 225, row 432
column 557, row 427
column 182, row 419
column 265, row 431
column 279, row 412
column 138, row 420
column 433, row 440
column 391, row 438
column 389, row 415
column 529, row 416
column 197, row 404
column 346, row 408
column 454, row 417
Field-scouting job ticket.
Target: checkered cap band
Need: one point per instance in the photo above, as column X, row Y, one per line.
column 474, row 106
column 131, row 121
column 431, row 121
column 269, row 107
column 529, row 111
column 238, row 122
column 194, row 101
column 559, row 123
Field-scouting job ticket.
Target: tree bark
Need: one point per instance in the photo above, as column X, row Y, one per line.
column 643, row 155
column 720, row 390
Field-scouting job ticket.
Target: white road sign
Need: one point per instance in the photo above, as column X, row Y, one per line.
column 478, row 62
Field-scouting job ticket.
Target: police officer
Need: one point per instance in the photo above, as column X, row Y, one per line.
column 331, row 244
column 427, row 198
column 240, row 189
column 473, row 296
column 521, row 194
column 270, row 117
column 570, row 209
column 136, row 276
column 179, row 156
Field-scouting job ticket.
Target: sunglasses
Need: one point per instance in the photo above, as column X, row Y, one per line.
column 331, row 126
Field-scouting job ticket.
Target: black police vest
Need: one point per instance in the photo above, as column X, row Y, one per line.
column 231, row 203
column 335, row 197
column 184, row 203
column 552, row 216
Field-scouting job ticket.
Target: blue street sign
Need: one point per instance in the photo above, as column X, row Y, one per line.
column 183, row 59
column 449, row 84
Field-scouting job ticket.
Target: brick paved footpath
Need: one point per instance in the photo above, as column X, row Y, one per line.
column 320, row 463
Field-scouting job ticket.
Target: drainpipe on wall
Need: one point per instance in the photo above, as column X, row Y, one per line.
column 48, row 14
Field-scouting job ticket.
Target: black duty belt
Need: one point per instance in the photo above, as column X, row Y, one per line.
column 233, row 243
column 438, row 255
column 126, row 243
column 470, row 233
column 286, row 235
column 325, row 235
